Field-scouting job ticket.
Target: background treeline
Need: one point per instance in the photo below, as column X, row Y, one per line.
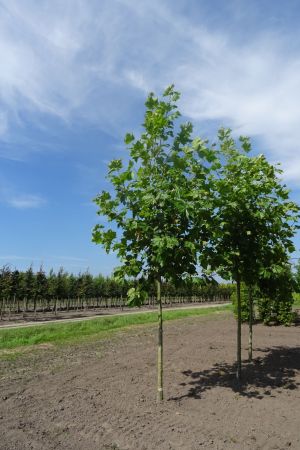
column 38, row 291
column 29, row 291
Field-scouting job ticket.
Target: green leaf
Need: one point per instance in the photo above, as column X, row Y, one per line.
column 136, row 297
column 114, row 165
column 129, row 137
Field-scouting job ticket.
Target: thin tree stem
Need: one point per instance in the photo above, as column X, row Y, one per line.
column 250, row 346
column 239, row 329
column 160, row 394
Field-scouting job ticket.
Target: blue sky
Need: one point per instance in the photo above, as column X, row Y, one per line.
column 73, row 80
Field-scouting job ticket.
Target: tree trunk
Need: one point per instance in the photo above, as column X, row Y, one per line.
column 250, row 346
column 239, row 329
column 34, row 308
column 160, row 394
column 9, row 310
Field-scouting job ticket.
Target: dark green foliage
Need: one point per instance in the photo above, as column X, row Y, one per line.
column 276, row 310
column 61, row 284
column 276, row 299
column 6, row 282
column 84, row 285
column 15, row 281
column 40, row 285
column 296, row 278
column 72, row 286
column 245, row 314
column 29, row 284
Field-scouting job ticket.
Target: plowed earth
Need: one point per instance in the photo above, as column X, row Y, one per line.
column 101, row 395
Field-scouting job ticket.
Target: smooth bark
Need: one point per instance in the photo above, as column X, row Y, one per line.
column 160, row 394
column 250, row 345
column 239, row 329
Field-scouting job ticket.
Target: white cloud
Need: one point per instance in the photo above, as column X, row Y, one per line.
column 137, row 80
column 254, row 91
column 14, row 258
column 3, row 124
column 51, row 261
column 9, row 195
column 25, row 201
column 39, row 258
column 90, row 60
column 68, row 258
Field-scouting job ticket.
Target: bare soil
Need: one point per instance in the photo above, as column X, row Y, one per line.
column 101, row 395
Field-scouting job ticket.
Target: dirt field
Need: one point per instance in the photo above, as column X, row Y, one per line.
column 101, row 395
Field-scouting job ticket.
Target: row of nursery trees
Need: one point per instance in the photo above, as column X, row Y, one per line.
column 178, row 203
column 35, row 286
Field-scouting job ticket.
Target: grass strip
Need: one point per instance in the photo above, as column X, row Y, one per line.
column 59, row 333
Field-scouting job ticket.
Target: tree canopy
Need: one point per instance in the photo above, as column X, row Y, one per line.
column 156, row 204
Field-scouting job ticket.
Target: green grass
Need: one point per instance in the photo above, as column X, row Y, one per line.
column 296, row 299
column 67, row 332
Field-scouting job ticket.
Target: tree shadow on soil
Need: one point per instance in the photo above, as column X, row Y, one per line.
column 264, row 376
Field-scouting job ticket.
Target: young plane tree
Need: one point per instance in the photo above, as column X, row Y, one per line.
column 153, row 204
column 254, row 222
